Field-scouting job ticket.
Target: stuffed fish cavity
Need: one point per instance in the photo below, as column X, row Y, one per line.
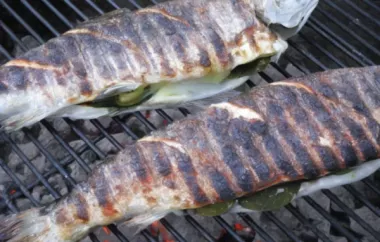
column 161, row 56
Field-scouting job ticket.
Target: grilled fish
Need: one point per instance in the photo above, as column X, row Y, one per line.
column 298, row 130
column 160, row 56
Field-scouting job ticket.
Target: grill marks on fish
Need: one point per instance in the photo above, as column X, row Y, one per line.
column 276, row 133
column 218, row 129
column 163, row 13
column 296, row 162
column 82, row 208
column 102, row 189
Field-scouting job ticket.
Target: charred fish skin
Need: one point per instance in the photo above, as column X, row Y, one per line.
column 297, row 129
column 173, row 41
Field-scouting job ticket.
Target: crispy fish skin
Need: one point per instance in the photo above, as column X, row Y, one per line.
column 302, row 128
column 173, row 41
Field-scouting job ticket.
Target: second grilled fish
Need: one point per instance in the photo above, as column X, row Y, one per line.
column 299, row 129
column 160, row 56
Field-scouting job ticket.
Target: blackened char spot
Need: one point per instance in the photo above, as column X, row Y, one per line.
column 278, row 155
column 327, row 156
column 358, row 134
column 204, row 59
column 39, row 76
column 16, row 77
column 285, row 95
column 165, row 24
column 152, row 33
column 221, row 186
column 160, row 160
column 3, row 87
column 348, row 153
column 327, row 91
column 242, row 137
column 82, row 207
column 80, row 72
column 85, row 88
column 61, row 216
column 99, row 184
column 297, row 148
column 187, row 170
column 314, row 105
column 136, row 164
column 179, row 47
column 218, row 127
column 56, row 56
column 242, row 175
column 219, row 47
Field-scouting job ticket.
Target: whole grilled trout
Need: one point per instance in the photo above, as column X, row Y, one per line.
column 160, row 56
column 298, row 129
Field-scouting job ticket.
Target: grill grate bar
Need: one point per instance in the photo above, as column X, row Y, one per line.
column 148, row 124
column 360, row 197
column 9, row 203
column 58, row 14
column 148, row 237
column 76, row 10
column 110, row 138
column 332, row 220
column 83, row 137
column 18, row 182
column 5, row 52
column 352, row 33
column 308, row 55
column 322, row 31
column 135, row 3
column 200, row 229
column 349, row 16
column 113, row 4
column 323, row 50
column 49, row 156
column 362, row 12
column 22, row 22
column 296, row 213
column 282, row 226
column 30, row 165
column 39, row 16
column 228, row 228
column 248, row 220
column 351, row 213
column 373, row 6
column 65, row 145
column 13, row 36
column 64, row 162
column 95, row 6
column 372, row 186
column 171, row 230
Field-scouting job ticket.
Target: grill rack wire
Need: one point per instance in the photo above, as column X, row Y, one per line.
column 320, row 25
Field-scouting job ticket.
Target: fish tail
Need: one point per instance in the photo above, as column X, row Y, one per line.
column 26, row 226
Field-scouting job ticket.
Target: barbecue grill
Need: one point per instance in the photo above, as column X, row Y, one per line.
column 338, row 34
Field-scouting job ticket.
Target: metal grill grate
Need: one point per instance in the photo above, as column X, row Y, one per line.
column 339, row 34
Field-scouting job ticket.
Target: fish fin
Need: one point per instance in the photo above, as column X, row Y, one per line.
column 201, row 104
column 116, row 89
column 334, row 180
column 83, row 112
column 144, row 220
column 27, row 226
column 17, row 121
